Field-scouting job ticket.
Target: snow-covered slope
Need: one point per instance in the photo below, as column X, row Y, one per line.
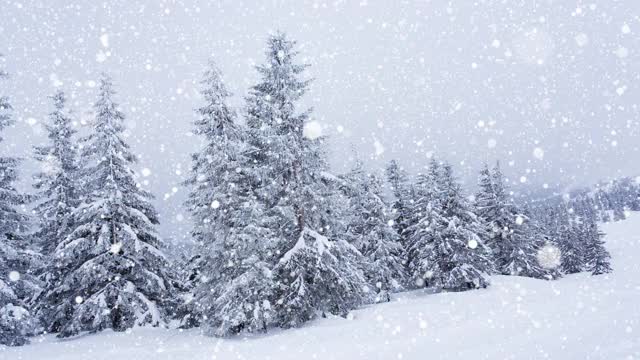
column 578, row 317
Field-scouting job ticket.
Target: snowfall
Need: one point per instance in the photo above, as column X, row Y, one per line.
column 578, row 317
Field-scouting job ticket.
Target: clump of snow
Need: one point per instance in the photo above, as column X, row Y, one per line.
column 115, row 248
column 321, row 242
column 312, row 130
column 519, row 220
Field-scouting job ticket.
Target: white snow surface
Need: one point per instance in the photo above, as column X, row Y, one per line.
column 578, row 317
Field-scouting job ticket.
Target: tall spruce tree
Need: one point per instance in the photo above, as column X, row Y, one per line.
column 488, row 207
column 17, row 283
column 419, row 235
column 56, row 182
column 112, row 271
column 570, row 237
column 512, row 236
column 315, row 269
column 596, row 256
column 464, row 260
column 372, row 233
column 234, row 286
column 397, row 178
column 447, row 249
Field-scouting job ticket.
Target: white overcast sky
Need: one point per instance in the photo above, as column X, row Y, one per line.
column 548, row 87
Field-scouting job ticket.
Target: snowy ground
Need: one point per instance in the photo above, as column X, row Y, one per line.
column 578, row 317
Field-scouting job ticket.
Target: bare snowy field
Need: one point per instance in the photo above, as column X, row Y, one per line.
column 578, row 317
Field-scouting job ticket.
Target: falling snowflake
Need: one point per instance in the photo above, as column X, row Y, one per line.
column 549, row 256
column 14, row 276
column 625, row 28
column 621, row 52
column 533, row 46
column 538, row 153
column 582, row 39
column 104, row 40
column 379, row 148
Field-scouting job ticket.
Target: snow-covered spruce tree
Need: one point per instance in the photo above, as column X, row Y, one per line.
column 57, row 195
column 233, row 287
column 570, row 239
column 353, row 185
column 524, row 241
column 371, row 233
column 18, row 288
column 112, row 272
column 315, row 269
column 420, row 236
column 464, row 261
column 447, row 249
column 17, row 284
column 487, row 206
column 397, row 178
column 596, row 256
column 512, row 236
